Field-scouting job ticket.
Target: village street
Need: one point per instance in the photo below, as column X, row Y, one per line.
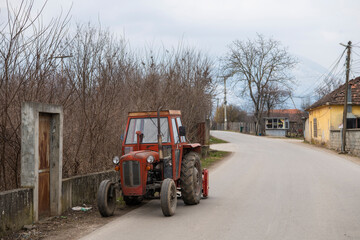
column 267, row 189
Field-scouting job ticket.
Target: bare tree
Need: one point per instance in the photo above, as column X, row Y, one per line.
column 275, row 96
column 233, row 114
column 329, row 85
column 305, row 102
column 256, row 65
column 26, row 49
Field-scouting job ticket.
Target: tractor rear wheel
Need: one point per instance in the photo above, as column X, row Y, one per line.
column 133, row 200
column 106, row 198
column 168, row 197
column 191, row 178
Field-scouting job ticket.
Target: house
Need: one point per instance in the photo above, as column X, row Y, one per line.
column 326, row 115
column 284, row 122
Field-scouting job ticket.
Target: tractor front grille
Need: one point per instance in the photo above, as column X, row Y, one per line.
column 131, row 173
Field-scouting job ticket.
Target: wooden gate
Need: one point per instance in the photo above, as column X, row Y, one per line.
column 44, row 164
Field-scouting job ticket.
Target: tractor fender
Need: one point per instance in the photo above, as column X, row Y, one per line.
column 195, row 147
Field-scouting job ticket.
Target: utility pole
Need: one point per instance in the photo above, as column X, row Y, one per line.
column 225, row 118
column 343, row 143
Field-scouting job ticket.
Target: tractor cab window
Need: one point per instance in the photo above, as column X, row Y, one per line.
column 175, row 131
column 148, row 126
column 178, row 120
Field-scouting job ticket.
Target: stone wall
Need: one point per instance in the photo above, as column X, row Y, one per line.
column 16, row 209
column 352, row 141
column 80, row 190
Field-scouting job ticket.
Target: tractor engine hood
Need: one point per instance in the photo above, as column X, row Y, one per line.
column 141, row 155
column 134, row 168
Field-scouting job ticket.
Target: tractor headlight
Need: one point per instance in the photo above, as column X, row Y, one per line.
column 116, row 160
column 150, row 159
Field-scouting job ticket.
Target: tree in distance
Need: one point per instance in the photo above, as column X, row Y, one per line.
column 261, row 67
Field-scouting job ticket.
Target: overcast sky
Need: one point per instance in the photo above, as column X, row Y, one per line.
column 309, row 28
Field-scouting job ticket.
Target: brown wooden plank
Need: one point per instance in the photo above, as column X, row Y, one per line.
column 44, row 140
column 44, row 194
column 44, row 164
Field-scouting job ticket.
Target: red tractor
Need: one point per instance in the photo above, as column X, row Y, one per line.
column 156, row 161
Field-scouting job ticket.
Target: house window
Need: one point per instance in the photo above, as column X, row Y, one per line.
column 268, row 123
column 281, row 123
column 315, row 127
column 352, row 123
column 277, row 123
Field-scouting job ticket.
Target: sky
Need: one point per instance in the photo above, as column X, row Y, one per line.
column 310, row 29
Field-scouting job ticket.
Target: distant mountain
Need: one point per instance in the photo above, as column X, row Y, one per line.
column 308, row 75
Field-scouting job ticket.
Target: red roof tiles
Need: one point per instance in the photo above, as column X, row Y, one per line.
column 336, row 97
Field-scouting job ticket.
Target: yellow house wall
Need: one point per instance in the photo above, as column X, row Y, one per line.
column 322, row 114
column 328, row 118
column 336, row 118
column 356, row 110
column 337, row 115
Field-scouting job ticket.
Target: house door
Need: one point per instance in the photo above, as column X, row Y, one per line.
column 44, row 164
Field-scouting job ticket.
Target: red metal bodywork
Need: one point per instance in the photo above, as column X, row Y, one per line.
column 141, row 157
column 170, row 114
column 205, row 182
column 140, row 152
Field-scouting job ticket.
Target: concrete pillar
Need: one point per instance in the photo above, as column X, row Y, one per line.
column 30, row 152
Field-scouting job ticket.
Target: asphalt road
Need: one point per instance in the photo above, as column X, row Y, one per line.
column 267, row 189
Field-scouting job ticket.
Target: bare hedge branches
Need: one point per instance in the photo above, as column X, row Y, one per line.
column 26, row 66
column 98, row 80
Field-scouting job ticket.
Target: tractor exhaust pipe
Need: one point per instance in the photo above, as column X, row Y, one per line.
column 159, row 135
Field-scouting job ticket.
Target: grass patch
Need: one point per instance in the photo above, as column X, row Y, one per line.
column 214, row 140
column 213, row 157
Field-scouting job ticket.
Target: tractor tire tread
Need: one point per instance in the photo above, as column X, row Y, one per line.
column 106, row 209
column 188, row 193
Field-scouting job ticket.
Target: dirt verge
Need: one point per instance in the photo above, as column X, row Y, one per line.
column 70, row 225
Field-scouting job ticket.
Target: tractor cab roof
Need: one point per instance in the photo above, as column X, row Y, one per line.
column 163, row 113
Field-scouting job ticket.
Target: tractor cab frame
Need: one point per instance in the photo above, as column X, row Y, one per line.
column 156, row 158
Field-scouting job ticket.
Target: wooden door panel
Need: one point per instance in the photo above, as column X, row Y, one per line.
column 44, row 194
column 44, row 164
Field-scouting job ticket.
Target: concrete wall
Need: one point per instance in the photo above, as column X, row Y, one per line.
column 276, row 132
column 307, row 134
column 352, row 141
column 16, row 209
column 83, row 189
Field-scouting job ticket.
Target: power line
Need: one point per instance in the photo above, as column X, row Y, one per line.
column 318, row 81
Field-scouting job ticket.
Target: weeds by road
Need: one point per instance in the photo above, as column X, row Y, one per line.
column 214, row 140
column 213, row 157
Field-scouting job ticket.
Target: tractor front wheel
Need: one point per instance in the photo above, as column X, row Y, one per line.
column 106, row 198
column 191, row 178
column 168, row 197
